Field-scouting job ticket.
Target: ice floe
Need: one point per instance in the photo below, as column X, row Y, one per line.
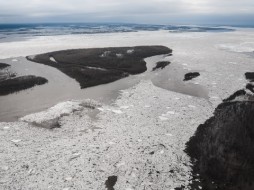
column 124, row 107
column 49, row 118
column 111, row 143
column 117, row 111
column 75, row 155
column 171, row 112
column 52, row 59
column 16, row 140
column 119, row 55
column 163, row 118
column 101, row 109
column 68, row 178
column 130, row 51
column 215, row 97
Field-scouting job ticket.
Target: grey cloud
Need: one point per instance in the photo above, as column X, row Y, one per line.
column 159, row 11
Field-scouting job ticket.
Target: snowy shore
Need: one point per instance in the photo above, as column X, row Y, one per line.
column 140, row 138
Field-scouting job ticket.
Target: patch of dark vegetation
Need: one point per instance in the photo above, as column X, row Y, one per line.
column 3, row 65
column 4, row 75
column 242, row 95
column 235, row 95
column 91, row 67
column 161, row 65
column 110, row 182
column 249, row 76
column 250, row 87
column 7, row 75
column 20, row 83
column 222, row 148
column 189, row 76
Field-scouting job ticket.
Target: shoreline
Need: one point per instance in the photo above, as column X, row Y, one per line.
column 95, row 66
column 60, row 88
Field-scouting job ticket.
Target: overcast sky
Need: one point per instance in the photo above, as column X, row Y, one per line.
column 130, row 11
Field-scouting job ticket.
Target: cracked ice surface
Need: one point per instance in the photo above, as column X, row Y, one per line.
column 136, row 146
